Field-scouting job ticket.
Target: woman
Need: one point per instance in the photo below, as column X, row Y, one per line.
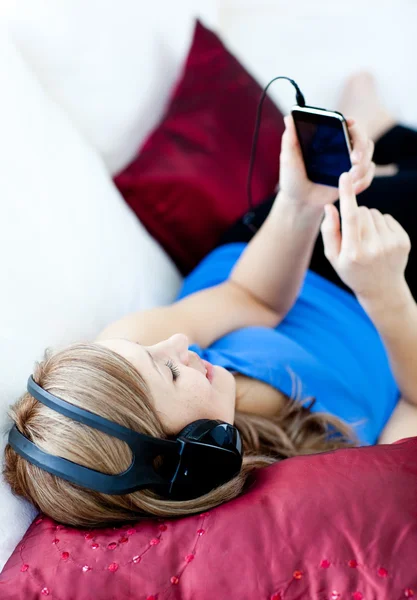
column 270, row 328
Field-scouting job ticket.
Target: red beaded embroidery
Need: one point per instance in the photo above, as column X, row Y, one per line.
column 325, row 564
column 38, row 521
column 382, row 572
column 24, row 568
column 136, row 559
column 113, row 567
column 297, row 574
column 162, row 528
column 65, row 555
column 353, row 564
column 123, row 540
column 408, row 593
column 55, row 541
column 357, row 596
column 112, row 545
column 95, row 546
column 89, row 536
column 189, row 558
column 201, row 531
column 45, row 591
column 174, row 579
column 154, row 542
column 131, row 531
column 335, row 595
column 276, row 596
column 86, row 568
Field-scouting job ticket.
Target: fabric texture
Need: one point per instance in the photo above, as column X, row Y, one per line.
column 337, row 525
column 188, row 183
column 326, row 346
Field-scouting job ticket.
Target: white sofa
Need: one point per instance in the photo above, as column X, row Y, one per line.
column 82, row 83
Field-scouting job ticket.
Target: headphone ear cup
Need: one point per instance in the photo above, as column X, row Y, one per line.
column 197, row 429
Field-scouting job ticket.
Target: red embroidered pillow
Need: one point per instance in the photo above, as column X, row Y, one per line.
column 188, row 183
column 333, row 526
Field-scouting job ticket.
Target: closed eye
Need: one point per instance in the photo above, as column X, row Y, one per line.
column 174, row 369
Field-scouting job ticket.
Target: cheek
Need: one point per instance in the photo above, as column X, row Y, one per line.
column 199, row 391
column 198, row 398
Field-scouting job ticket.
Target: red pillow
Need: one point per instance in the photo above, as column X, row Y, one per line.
column 188, row 183
column 339, row 525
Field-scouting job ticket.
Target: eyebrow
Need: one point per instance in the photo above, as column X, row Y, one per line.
column 155, row 366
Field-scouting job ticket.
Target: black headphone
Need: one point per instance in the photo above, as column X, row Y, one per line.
column 202, row 456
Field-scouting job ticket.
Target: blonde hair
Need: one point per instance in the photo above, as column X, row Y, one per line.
column 100, row 380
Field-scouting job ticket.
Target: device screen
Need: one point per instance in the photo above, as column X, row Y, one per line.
column 324, row 147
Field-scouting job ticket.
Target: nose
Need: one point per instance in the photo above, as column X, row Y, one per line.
column 179, row 343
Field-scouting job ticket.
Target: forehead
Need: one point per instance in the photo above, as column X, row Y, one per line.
column 132, row 351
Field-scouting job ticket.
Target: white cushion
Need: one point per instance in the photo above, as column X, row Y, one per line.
column 74, row 257
column 110, row 64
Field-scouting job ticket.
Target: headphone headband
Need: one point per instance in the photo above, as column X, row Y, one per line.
column 205, row 454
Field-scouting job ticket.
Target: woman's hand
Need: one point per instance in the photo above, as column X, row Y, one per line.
column 372, row 254
column 293, row 180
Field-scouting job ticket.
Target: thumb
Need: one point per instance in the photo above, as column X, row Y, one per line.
column 330, row 231
column 290, row 133
column 290, row 144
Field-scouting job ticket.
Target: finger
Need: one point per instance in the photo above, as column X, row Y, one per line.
column 399, row 231
column 350, row 122
column 363, row 183
column 360, row 170
column 359, row 143
column 330, row 231
column 348, row 211
column 380, row 223
column 367, row 228
column 290, row 145
column 371, row 148
column 397, row 228
column 291, row 132
column 393, row 223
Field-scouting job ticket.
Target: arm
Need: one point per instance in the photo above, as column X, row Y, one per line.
column 396, row 321
column 265, row 282
column 370, row 257
column 402, row 423
column 273, row 266
column 259, row 292
column 203, row 317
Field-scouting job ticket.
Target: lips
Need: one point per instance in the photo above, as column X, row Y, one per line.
column 209, row 368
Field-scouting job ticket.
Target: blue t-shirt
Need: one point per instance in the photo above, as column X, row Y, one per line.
column 326, row 347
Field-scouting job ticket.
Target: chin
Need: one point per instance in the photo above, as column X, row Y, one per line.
column 224, row 385
column 226, row 380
